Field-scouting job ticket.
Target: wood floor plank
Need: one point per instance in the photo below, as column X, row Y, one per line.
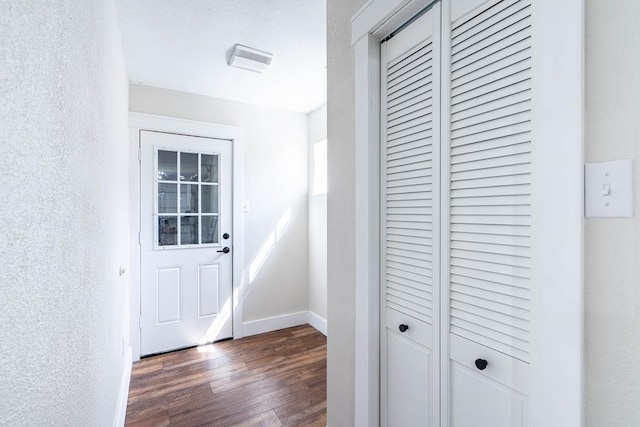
column 269, row 380
column 317, row 419
column 231, row 413
column 150, row 388
column 159, row 419
column 292, row 412
column 266, row 419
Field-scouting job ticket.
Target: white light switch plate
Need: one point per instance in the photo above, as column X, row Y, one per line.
column 608, row 189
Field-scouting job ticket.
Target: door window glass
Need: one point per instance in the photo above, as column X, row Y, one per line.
column 187, row 194
column 189, row 167
column 167, row 198
column 209, row 229
column 209, row 168
column 210, row 199
column 167, row 166
column 167, row 230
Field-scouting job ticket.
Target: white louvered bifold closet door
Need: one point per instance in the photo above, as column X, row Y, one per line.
column 410, row 194
column 489, row 202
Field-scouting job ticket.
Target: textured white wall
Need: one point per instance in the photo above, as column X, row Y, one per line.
column 612, row 246
column 275, row 179
column 341, row 213
column 317, row 222
column 64, row 212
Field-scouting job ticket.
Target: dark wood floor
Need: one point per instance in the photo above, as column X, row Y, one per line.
column 273, row 379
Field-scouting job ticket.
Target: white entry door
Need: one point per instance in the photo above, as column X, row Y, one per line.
column 185, row 241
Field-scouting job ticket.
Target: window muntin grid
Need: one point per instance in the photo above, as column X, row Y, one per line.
column 186, row 198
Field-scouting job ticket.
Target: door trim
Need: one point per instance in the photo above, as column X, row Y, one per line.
column 558, row 191
column 151, row 122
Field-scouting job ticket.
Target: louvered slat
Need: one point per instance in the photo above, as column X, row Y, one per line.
column 492, row 295
column 396, row 229
column 495, row 239
column 409, row 103
column 415, row 250
column 490, row 178
column 408, row 174
column 409, row 152
column 484, row 286
column 408, row 156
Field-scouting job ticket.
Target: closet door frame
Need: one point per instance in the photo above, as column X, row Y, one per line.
column 557, row 212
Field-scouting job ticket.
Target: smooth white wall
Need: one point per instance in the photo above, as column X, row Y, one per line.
column 63, row 157
column 275, row 180
column 612, row 245
column 317, row 222
column 340, row 213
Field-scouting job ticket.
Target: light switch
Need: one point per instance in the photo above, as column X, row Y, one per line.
column 609, row 189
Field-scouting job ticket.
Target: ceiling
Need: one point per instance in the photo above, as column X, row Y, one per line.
column 184, row 45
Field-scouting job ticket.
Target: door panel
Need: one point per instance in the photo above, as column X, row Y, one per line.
column 409, row 381
column 478, row 401
column 504, row 369
column 410, row 250
column 186, row 279
column 488, row 210
column 168, row 295
column 489, row 283
column 208, row 286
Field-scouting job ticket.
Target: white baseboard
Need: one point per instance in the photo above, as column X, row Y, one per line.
column 121, row 408
column 269, row 324
column 317, row 322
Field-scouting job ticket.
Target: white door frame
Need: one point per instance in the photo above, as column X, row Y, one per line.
column 557, row 236
column 150, row 122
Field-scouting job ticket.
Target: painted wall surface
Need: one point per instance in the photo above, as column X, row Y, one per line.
column 612, row 245
column 63, row 160
column 340, row 213
column 317, row 222
column 275, row 185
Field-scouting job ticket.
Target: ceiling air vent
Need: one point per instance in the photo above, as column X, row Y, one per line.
column 249, row 58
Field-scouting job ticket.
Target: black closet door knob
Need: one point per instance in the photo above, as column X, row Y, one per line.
column 481, row 364
column 403, row 328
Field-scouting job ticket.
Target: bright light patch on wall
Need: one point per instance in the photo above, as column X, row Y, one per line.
column 269, row 244
column 262, row 255
column 320, row 168
column 282, row 224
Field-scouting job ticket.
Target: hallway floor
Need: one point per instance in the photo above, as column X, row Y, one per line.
column 273, row 379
